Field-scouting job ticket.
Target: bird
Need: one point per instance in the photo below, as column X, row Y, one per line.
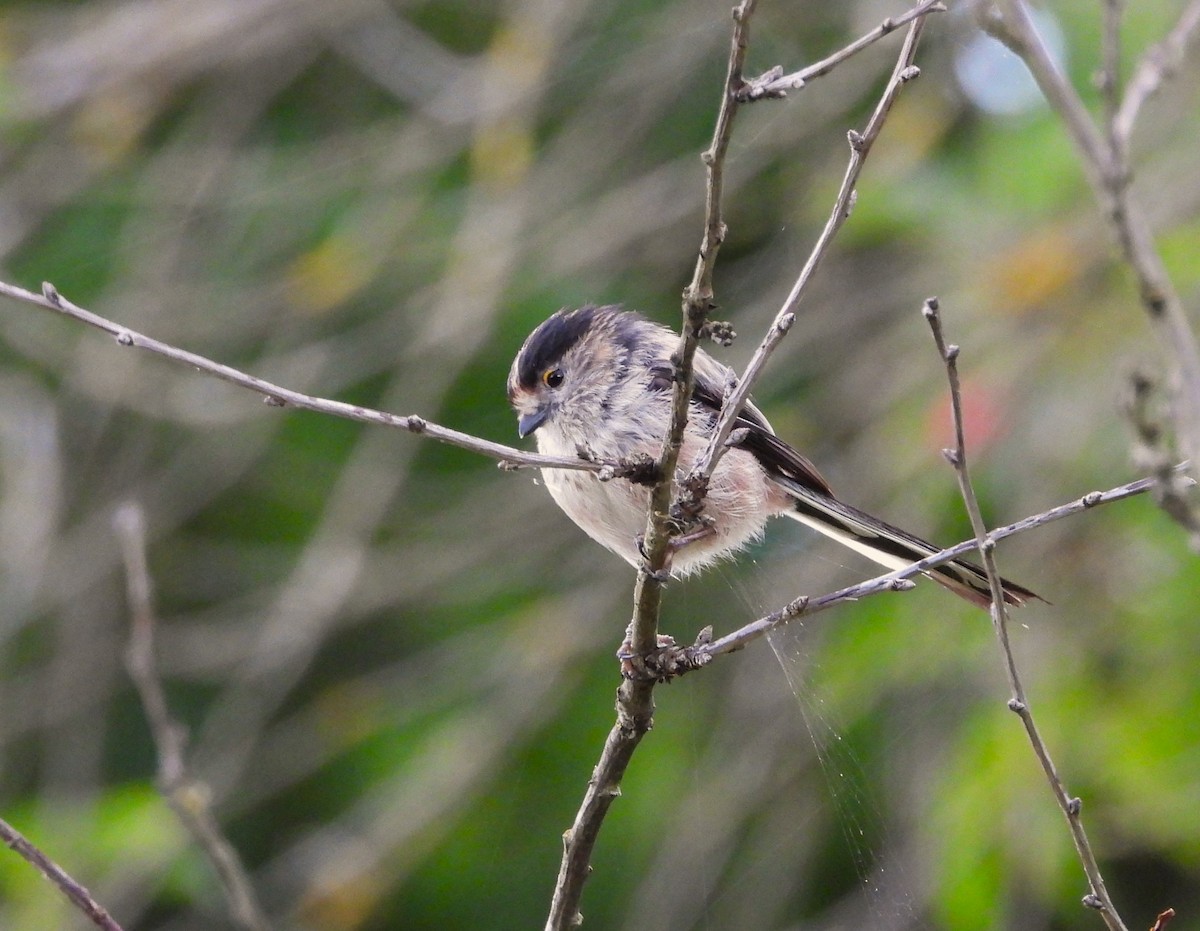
column 597, row 381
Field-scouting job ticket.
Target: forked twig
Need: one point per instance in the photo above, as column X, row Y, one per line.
column 677, row 660
column 635, row 700
column 775, row 83
column 1098, row 898
column 1105, row 162
column 860, row 148
column 187, row 797
column 1159, row 62
column 635, row 705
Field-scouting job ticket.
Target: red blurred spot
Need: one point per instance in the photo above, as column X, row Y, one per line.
column 983, row 418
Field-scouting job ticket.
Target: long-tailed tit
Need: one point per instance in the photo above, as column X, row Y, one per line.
column 598, row 379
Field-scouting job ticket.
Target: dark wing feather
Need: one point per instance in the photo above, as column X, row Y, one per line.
column 773, row 454
column 815, row 504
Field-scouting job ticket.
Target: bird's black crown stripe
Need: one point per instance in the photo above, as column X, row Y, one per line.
column 550, row 341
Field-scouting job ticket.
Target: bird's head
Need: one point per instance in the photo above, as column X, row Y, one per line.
column 569, row 368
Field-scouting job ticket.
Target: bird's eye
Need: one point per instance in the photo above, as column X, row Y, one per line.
column 552, row 377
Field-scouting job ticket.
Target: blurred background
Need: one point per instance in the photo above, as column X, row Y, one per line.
column 395, row 661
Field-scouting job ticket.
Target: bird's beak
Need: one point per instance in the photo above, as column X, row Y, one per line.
column 527, row 423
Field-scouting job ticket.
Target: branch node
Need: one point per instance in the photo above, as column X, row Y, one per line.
column 1091, row 499
column 765, row 86
column 784, row 323
column 124, row 338
column 738, row 437
column 416, row 424
column 855, row 138
column 952, row 457
column 1074, row 806
column 50, row 293
column 1091, row 900
column 1016, row 706
column 902, row 585
column 641, row 469
column 273, row 400
column 911, row 73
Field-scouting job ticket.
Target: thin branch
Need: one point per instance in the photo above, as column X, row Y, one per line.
column 1098, row 898
column 187, row 797
column 1159, row 63
column 635, row 700
column 77, row 894
column 775, row 83
column 1107, row 170
column 896, row 581
column 860, row 148
column 278, row 396
column 697, row 303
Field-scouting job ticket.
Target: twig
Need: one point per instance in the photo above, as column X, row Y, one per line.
column 860, row 148
column 775, row 83
column 1158, row 63
column 77, row 894
column 187, row 797
column 635, row 700
column 278, row 396
column 1098, row 898
column 1107, row 170
column 893, row 581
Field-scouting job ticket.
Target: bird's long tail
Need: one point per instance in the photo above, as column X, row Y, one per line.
column 892, row 547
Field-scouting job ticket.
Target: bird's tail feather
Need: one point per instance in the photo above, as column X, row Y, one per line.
column 892, row 547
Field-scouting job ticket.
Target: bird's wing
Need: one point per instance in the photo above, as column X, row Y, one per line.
column 772, row 453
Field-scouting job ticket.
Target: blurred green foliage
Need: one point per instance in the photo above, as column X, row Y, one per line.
column 394, row 660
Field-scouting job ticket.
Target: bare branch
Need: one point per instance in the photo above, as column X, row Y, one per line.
column 77, row 894
column 860, row 148
column 775, row 83
column 893, row 581
column 635, row 701
column 1018, row 702
column 278, row 396
column 1159, row 63
column 187, row 797
column 1108, row 171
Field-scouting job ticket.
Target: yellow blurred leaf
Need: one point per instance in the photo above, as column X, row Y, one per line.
column 326, row 276
column 1034, row 270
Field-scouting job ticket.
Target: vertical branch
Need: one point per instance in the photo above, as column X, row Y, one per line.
column 697, row 302
column 75, row 893
column 187, row 797
column 1098, row 898
column 1108, row 171
column 635, row 706
column 635, row 702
